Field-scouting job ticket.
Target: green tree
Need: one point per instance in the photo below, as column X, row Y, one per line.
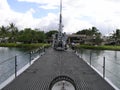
column 3, row 32
column 40, row 36
column 31, row 36
column 89, row 32
column 25, row 36
column 116, row 36
column 13, row 30
column 93, row 33
column 83, row 32
column 50, row 33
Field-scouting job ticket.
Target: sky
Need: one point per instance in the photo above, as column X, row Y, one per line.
column 77, row 14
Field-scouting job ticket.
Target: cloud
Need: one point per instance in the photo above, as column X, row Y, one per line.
column 45, row 4
column 25, row 20
column 20, row 19
column 48, row 6
column 77, row 15
column 103, row 14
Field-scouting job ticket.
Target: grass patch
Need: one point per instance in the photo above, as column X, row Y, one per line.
column 28, row 46
column 104, row 47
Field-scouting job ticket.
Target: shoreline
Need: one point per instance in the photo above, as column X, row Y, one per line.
column 29, row 46
column 103, row 47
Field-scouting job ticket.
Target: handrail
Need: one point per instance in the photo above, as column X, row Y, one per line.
column 6, row 60
column 103, row 66
column 8, row 68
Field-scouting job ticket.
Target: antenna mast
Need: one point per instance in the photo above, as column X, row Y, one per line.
column 59, row 39
column 60, row 20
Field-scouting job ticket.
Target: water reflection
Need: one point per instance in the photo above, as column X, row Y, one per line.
column 6, row 52
column 7, row 61
column 112, row 59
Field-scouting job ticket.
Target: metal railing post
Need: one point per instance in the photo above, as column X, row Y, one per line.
column 39, row 51
column 90, row 56
column 43, row 49
column 15, row 66
column 103, row 67
column 30, row 58
column 81, row 52
column 115, row 54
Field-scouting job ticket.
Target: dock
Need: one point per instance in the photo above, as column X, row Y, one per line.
column 58, row 63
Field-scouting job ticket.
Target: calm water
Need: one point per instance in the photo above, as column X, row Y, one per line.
column 7, row 61
column 112, row 62
column 112, row 59
column 6, row 53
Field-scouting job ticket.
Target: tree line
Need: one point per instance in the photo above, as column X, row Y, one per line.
column 28, row 35
column 93, row 33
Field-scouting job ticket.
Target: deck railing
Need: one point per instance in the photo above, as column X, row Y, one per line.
column 101, row 66
column 14, row 66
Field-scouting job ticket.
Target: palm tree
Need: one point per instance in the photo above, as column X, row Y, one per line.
column 13, row 30
column 3, row 32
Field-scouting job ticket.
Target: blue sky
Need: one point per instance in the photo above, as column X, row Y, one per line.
column 25, row 6
column 77, row 14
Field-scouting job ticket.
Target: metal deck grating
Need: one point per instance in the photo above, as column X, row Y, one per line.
column 56, row 63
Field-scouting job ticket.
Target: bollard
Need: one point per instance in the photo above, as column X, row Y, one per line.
column 15, row 66
column 103, row 67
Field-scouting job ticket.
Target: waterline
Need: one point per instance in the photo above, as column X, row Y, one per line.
column 12, row 77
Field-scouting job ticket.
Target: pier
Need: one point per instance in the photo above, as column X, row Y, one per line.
column 58, row 63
